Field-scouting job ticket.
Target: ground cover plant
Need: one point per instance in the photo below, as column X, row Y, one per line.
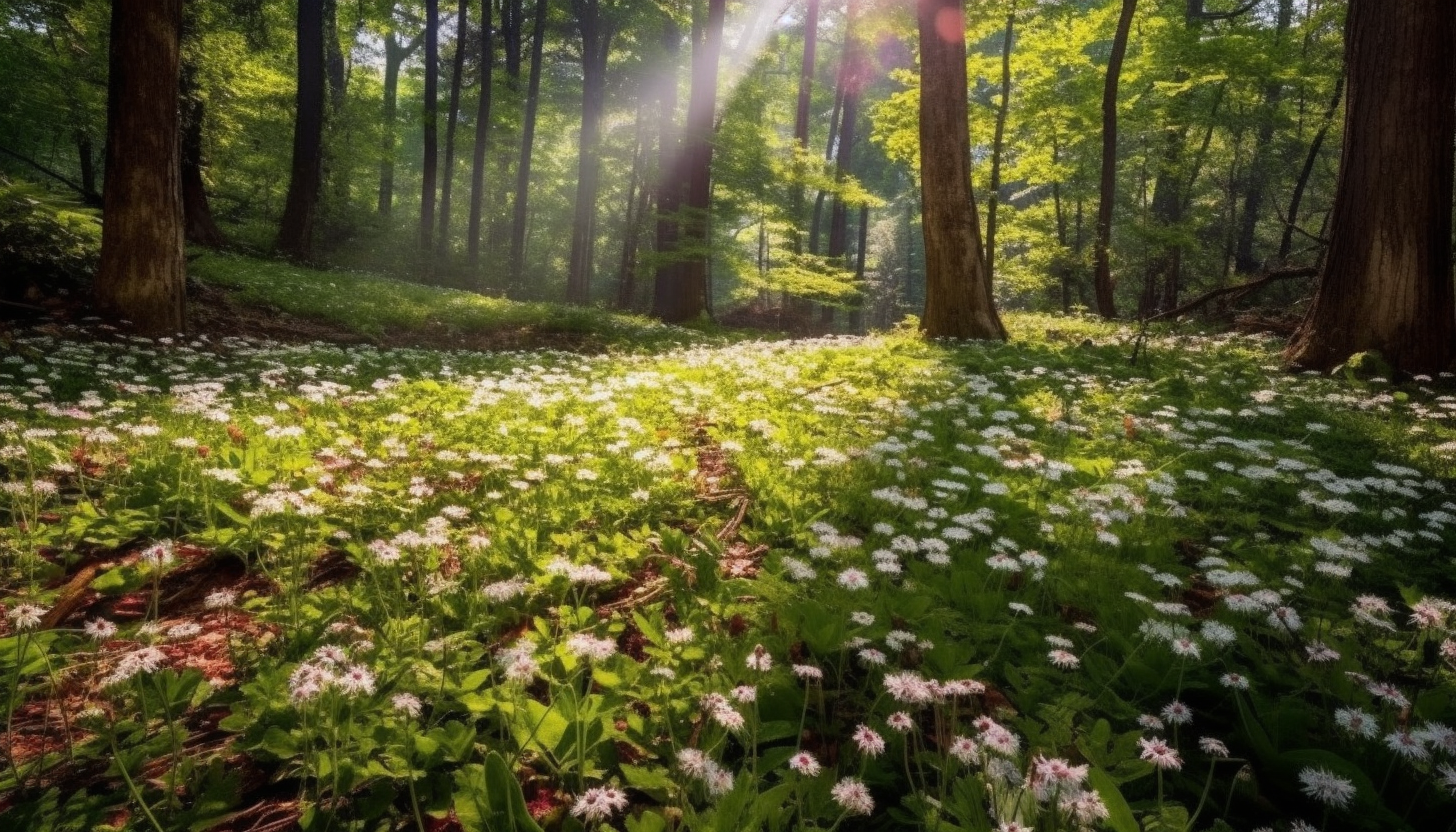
column 842, row 583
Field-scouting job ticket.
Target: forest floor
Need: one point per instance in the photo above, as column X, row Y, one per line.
column 364, row 555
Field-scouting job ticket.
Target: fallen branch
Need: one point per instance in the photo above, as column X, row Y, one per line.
column 89, row 197
column 1241, row 288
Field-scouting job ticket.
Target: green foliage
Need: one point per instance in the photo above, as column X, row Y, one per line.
column 45, row 241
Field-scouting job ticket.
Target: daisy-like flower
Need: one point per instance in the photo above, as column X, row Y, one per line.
column 1064, row 660
column 1356, row 722
column 873, row 657
column 745, row 693
column 1160, row 754
column 759, row 659
column 853, row 579
column 1020, row 608
column 599, row 804
column 869, row 742
column 407, row 704
column 26, row 616
column 808, row 672
column 1177, row 713
column 679, row 635
column 1013, row 826
column 1213, row 747
column 911, row 688
column 1149, row 722
column 159, row 554
column 356, row 680
column 1447, row 775
column 99, row 629
column 1407, row 745
column 1001, row 741
column 1234, row 681
column 221, row 599
column 852, row 795
column 964, row 749
column 693, row 762
column 585, row 646
column 805, row 763
column 1388, row 693
column 900, row 721
column 1326, row 787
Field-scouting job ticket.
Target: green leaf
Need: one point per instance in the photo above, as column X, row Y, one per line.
column 1119, row 814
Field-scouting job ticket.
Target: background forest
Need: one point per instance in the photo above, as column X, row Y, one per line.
column 527, row 149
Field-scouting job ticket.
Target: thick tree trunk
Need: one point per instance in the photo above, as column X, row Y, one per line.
column 1107, row 199
column 141, row 277
column 1286, row 241
column 998, row 143
column 686, row 297
column 596, row 38
column 452, row 122
column 958, row 300
column 1262, row 166
column 669, row 188
column 482, row 135
column 300, row 210
column 199, row 225
column 520, row 212
column 431, row 123
column 636, row 205
column 1386, row 284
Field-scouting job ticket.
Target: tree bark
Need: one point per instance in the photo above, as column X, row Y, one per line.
column 958, row 300
column 1386, row 282
column 669, row 188
column 198, row 224
column 142, row 276
column 993, row 200
column 395, row 54
column 334, row 60
column 1286, row 241
column 528, row 136
column 1107, row 199
column 511, row 14
column 596, row 38
column 636, row 206
column 686, row 297
column 452, row 122
column 431, row 123
column 482, row 135
column 300, row 210
column 1261, row 168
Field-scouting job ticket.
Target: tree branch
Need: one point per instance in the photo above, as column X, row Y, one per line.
column 1241, row 288
column 89, row 197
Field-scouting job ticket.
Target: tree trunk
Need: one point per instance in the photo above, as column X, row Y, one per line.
column 958, row 300
column 300, row 210
column 852, row 80
column 596, row 38
column 482, row 135
column 334, row 60
column 1262, row 166
column 801, row 113
column 452, row 122
column 511, row 14
column 635, row 206
column 1107, row 198
column 431, row 123
column 669, row 188
column 1286, row 241
column 856, row 312
column 686, row 297
column 395, row 54
column 198, row 223
column 528, row 136
column 142, row 275
column 1386, row 283
column 993, row 200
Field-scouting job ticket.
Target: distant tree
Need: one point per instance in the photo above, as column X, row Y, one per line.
column 1107, row 199
column 958, row 300
column 395, row 54
column 519, row 208
column 431, row 122
column 141, row 277
column 482, row 134
column 596, row 29
column 1386, row 280
column 452, row 122
column 300, row 209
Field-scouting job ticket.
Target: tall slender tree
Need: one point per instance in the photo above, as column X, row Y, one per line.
column 431, row 128
column 395, row 54
column 141, row 276
column 1107, row 191
column 452, row 122
column 998, row 141
column 1386, row 282
column 300, row 209
column 528, row 139
column 595, row 28
column 958, row 299
column 482, row 135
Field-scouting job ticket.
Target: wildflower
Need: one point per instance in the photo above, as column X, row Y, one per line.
column 1285, row 618
column 1186, row 648
column 1020, row 608
column 900, row 721
column 1389, row 693
column 502, row 591
column 585, row 646
column 356, row 680
column 805, row 763
column 759, row 659
column 853, row 579
column 679, row 635
column 185, row 630
column 1234, row 681
column 745, row 693
column 599, row 803
column 1447, row 773
column 159, row 554
column 808, row 672
column 1317, row 652
column 1326, row 787
column 964, row 750
column 873, row 657
column 1177, row 713
column 1001, row 741
column 693, row 762
column 861, row 618
column 1050, row 777
column 407, row 704
column 145, row 660
column 1148, row 722
column 1064, row 660
column 1213, row 747
column 870, row 743
column 853, row 796
column 26, row 616
column 1160, row 754
column 1356, row 722
column 99, row 629
column 221, row 599
column 909, row 688
column 1406, row 744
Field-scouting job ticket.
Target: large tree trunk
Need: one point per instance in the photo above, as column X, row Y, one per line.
column 686, row 297
column 998, row 143
column 596, row 38
column 482, row 134
column 141, row 277
column 528, row 138
column 1262, row 167
column 199, row 225
column 300, row 210
column 1386, row 282
column 431, row 122
column 668, row 187
column 452, row 122
column 1107, row 192
column 958, row 300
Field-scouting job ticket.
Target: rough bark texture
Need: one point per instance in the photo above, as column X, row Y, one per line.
column 596, row 38
column 669, row 189
column 685, row 297
column 300, row 210
column 482, row 135
column 1107, row 192
column 1386, row 282
column 528, row 138
column 142, row 272
column 958, row 301
column 431, row 123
